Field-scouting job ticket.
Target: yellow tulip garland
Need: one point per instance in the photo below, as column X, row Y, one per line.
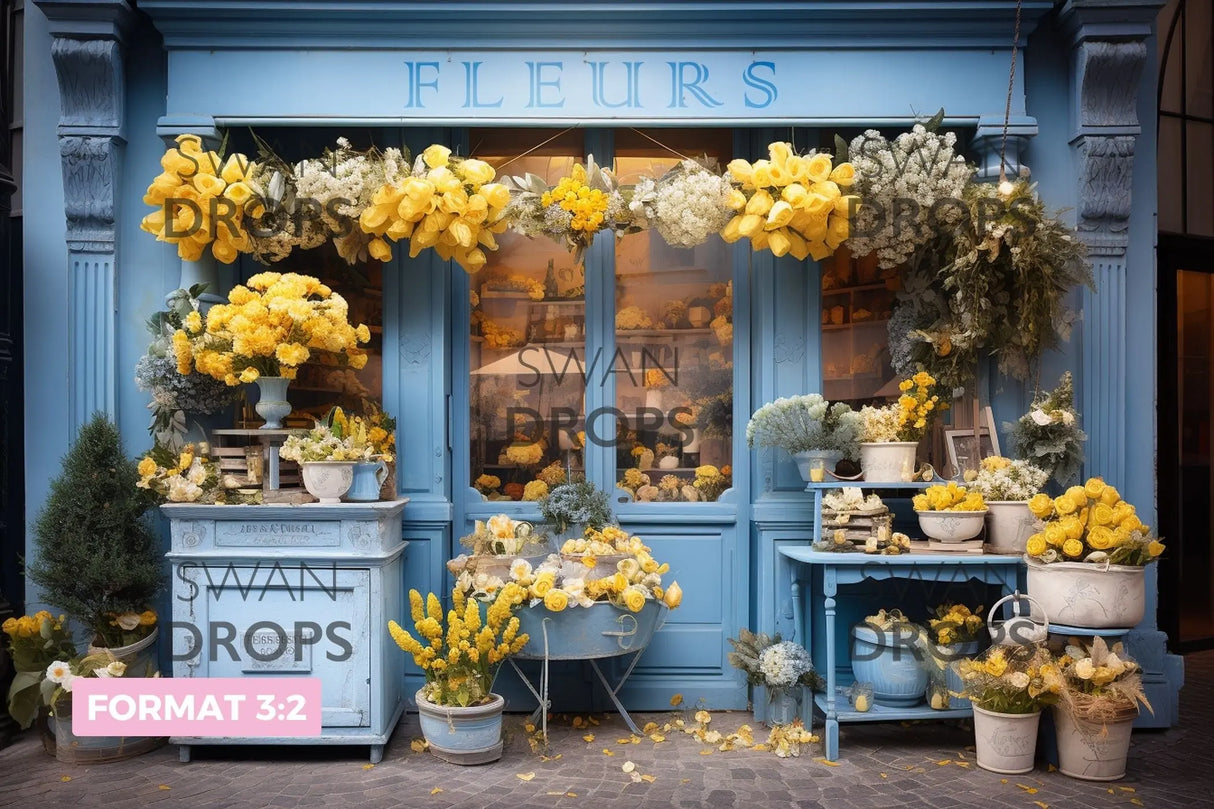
column 450, row 204
column 791, row 204
column 461, row 660
column 1090, row 523
column 270, row 327
column 201, row 201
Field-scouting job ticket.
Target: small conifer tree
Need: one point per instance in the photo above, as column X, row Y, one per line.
column 97, row 554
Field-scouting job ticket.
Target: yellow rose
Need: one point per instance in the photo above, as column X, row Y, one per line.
column 477, row 172
column 634, row 598
column 1101, row 514
column 1065, row 505
column 1073, row 526
column 543, row 584
column 1072, row 548
column 147, row 468
column 844, row 174
column 1035, row 545
column 1079, row 495
column 1055, row 534
column 1110, row 495
column 1042, row 506
column 818, row 168
column 556, row 600
column 1094, row 488
column 673, row 595
column 1101, row 537
column 436, row 155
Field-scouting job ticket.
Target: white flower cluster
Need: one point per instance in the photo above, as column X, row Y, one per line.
column 879, row 423
column 323, row 199
column 803, row 423
column 1018, row 480
column 686, row 206
column 900, row 185
column 784, row 664
column 850, row 498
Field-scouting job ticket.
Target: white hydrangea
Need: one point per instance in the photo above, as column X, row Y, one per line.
column 783, row 664
column 1018, row 480
column 686, row 206
column 901, row 184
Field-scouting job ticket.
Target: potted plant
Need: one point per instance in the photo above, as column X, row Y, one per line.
column 954, row 632
column 782, row 668
column 577, row 505
column 460, row 654
column 807, row 427
column 1101, row 689
column 34, row 642
column 592, row 584
column 950, row 513
column 1008, row 686
column 890, row 651
column 1086, row 563
column 98, row 559
column 326, row 456
column 1006, row 486
column 890, row 435
column 184, row 476
column 270, row 326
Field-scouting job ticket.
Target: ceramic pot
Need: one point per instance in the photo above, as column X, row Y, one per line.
column 140, row 657
column 457, row 735
column 782, row 706
column 579, row 633
column 1005, row 742
column 1009, row 524
column 951, row 526
column 891, row 662
column 668, row 462
column 805, row 460
column 369, row 477
column 327, row 481
column 952, row 680
column 888, row 461
column 272, row 404
column 1083, row 594
column 1093, row 750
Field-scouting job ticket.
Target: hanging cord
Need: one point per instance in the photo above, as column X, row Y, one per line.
column 539, row 145
column 1007, row 110
column 649, row 137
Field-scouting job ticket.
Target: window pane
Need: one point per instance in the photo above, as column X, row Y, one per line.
column 1170, row 63
column 674, row 339
column 1199, row 83
column 528, row 338
column 1171, row 186
column 1200, row 173
column 857, row 299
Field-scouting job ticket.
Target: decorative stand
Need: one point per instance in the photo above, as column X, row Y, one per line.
column 590, row 634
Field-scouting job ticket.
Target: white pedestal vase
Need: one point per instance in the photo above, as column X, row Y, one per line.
column 888, row 461
column 1005, row 742
column 1009, row 524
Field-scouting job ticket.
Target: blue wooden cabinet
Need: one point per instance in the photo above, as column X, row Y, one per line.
column 304, row 590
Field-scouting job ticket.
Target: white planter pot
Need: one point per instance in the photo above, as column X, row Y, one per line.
column 1088, row 595
column 888, row 461
column 1009, row 524
column 1005, row 742
column 952, row 526
column 327, row 481
column 1093, row 751
column 668, row 462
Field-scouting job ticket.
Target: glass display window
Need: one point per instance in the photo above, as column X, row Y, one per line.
column 857, row 300
column 527, row 340
column 674, row 316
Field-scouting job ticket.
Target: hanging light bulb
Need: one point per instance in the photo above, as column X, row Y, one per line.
column 1006, row 187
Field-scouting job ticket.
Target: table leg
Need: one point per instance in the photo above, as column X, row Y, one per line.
column 830, row 589
column 798, row 616
column 611, row 692
column 377, row 753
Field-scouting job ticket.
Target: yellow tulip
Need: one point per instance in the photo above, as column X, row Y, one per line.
column 779, row 152
column 236, row 168
column 741, row 171
column 1155, row 548
column 732, row 230
column 189, row 144
column 751, row 225
column 673, row 595
column 760, row 203
column 843, row 174
column 379, row 250
column 761, row 174
column 818, row 167
column 737, row 200
column 476, row 172
column 778, row 242
column 781, row 214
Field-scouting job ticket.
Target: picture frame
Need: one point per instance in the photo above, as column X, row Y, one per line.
column 966, row 450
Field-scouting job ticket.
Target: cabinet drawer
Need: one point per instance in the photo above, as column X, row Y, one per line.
column 279, row 620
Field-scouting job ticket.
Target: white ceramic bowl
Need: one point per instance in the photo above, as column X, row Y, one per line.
column 952, row 526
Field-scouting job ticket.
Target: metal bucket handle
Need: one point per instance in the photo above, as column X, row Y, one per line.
column 621, row 635
column 993, row 624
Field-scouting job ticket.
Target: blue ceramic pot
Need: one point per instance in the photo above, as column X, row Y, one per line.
column 470, row 735
column 369, row 477
column 892, row 663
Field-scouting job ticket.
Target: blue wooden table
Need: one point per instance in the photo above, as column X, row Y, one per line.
column 842, row 569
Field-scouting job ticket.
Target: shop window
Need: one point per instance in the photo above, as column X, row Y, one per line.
column 528, row 337
column 857, row 300
column 674, row 340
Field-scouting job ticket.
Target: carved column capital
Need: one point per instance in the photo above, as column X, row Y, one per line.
column 988, row 144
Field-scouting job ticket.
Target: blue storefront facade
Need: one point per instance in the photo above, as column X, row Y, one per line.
column 107, row 84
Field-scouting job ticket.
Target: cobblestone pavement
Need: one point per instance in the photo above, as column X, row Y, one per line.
column 887, row 765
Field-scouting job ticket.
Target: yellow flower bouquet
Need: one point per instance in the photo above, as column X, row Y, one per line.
column 949, row 497
column 184, row 477
column 790, row 204
column 461, row 660
column 908, row 418
column 1011, row 679
column 202, row 200
column 1090, row 523
column 269, row 327
column 449, row 203
column 34, row 642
